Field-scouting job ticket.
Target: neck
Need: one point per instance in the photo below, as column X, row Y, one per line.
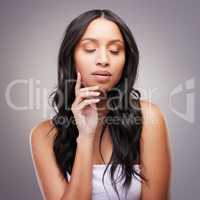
column 102, row 112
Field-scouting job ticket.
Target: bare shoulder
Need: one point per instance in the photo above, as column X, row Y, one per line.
column 151, row 112
column 155, row 152
column 42, row 132
column 154, row 123
column 153, row 117
column 50, row 179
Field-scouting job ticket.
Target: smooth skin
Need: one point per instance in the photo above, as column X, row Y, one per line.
column 155, row 157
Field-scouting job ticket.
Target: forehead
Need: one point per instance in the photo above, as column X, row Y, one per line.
column 102, row 30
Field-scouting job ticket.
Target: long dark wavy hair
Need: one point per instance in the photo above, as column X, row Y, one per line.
column 126, row 134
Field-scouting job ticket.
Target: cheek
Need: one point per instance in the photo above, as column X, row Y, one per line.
column 84, row 66
column 82, row 63
column 119, row 66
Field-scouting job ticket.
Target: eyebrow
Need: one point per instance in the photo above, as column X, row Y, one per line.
column 96, row 41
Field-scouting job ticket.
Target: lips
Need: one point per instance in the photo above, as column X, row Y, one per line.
column 101, row 73
column 101, row 76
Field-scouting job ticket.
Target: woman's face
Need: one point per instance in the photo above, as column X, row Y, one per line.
column 100, row 48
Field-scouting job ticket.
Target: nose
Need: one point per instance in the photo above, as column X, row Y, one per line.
column 102, row 58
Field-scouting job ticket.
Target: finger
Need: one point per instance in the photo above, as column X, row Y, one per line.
column 87, row 102
column 96, row 87
column 78, row 83
column 85, row 95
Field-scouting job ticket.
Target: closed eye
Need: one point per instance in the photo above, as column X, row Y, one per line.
column 115, row 52
column 92, row 50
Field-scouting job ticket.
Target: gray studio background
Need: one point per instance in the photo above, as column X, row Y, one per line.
column 167, row 33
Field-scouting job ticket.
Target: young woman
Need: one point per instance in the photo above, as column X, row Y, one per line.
column 103, row 142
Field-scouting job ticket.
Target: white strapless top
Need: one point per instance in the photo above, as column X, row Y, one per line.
column 106, row 191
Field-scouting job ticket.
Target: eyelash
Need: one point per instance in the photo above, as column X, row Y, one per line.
column 113, row 52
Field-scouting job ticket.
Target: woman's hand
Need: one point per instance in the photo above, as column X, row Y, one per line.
column 84, row 108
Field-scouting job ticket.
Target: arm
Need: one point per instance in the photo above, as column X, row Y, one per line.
column 81, row 178
column 51, row 182
column 155, row 154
